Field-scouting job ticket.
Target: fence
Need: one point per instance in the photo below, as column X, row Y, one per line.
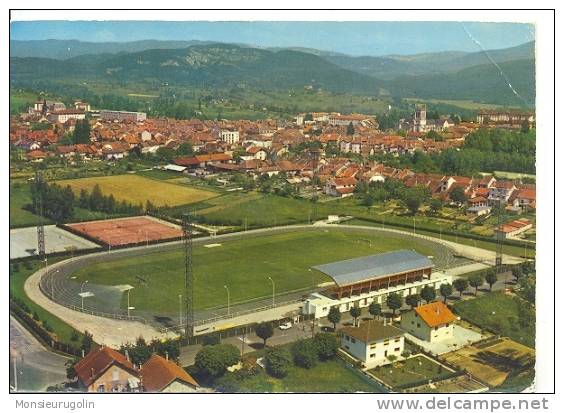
column 40, row 333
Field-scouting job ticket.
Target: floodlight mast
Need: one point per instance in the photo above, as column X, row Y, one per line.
column 188, row 276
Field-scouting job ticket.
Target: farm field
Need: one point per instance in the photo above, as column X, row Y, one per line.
column 243, row 265
column 138, row 190
column 494, row 362
column 505, row 315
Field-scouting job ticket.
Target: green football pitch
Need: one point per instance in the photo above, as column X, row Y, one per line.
column 243, row 265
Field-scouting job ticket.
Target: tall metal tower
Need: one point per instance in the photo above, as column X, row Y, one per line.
column 188, row 275
column 499, row 238
column 39, row 213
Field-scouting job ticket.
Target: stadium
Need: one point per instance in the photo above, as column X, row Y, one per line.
column 234, row 274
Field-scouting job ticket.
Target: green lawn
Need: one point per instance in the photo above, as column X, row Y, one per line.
column 17, row 281
column 326, row 377
column 19, row 197
column 411, row 371
column 500, row 313
column 243, row 265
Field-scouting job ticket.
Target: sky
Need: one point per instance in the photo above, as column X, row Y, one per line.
column 354, row 38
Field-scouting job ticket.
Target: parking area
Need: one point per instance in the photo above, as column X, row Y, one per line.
column 23, row 241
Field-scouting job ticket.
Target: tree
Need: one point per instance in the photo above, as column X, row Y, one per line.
column 460, row 285
column 212, row 361
column 305, row 353
column 428, row 293
column 412, row 300
column 491, row 278
column 71, row 372
column 327, row 345
column 264, row 331
column 277, row 362
column 476, row 281
column 435, row 205
column 350, row 129
column 517, row 272
column 446, row 291
column 81, row 133
column 334, row 316
column 355, row 313
column 375, row 309
column 394, row 301
column 457, row 195
column 413, row 202
column 87, row 341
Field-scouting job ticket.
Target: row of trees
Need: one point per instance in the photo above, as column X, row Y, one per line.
column 58, row 202
column 140, row 351
column 97, row 201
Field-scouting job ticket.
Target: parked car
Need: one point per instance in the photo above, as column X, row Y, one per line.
column 285, row 326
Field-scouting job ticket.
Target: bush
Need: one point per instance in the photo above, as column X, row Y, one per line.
column 327, row 345
column 212, row 361
column 277, row 362
column 305, row 353
column 211, row 339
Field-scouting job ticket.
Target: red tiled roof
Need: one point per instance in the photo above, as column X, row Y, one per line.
column 435, row 314
column 99, row 360
column 157, row 373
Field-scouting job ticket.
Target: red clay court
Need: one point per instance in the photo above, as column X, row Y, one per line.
column 124, row 231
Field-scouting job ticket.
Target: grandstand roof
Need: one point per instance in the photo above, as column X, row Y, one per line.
column 374, row 266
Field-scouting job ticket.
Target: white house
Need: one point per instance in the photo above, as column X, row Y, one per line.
column 372, row 343
column 230, row 136
column 431, row 322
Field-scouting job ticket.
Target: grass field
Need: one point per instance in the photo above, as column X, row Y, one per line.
column 500, row 313
column 17, row 281
column 464, row 104
column 410, row 372
column 495, row 363
column 19, row 197
column 138, row 190
column 329, row 376
column 243, row 265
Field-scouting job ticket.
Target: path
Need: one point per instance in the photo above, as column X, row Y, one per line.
column 37, row 367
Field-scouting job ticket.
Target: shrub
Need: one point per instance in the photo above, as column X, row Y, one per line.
column 327, row 345
column 305, row 353
column 212, row 361
column 277, row 362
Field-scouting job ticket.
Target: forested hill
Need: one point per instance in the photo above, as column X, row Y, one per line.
column 208, row 66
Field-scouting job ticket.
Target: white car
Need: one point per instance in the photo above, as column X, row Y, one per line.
column 286, row 326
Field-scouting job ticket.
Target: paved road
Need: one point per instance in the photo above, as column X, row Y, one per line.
column 37, row 367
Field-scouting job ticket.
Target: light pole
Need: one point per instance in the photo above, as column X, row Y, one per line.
column 228, row 312
column 180, row 309
column 273, row 291
column 82, row 294
column 128, row 306
column 414, row 224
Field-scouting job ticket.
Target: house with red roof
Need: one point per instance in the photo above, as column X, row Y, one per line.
column 105, row 370
column 160, row 375
column 340, row 187
column 431, row 322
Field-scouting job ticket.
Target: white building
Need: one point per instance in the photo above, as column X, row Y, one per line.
column 120, row 115
column 431, row 322
column 230, row 136
column 62, row 116
column 372, row 343
column 361, row 281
